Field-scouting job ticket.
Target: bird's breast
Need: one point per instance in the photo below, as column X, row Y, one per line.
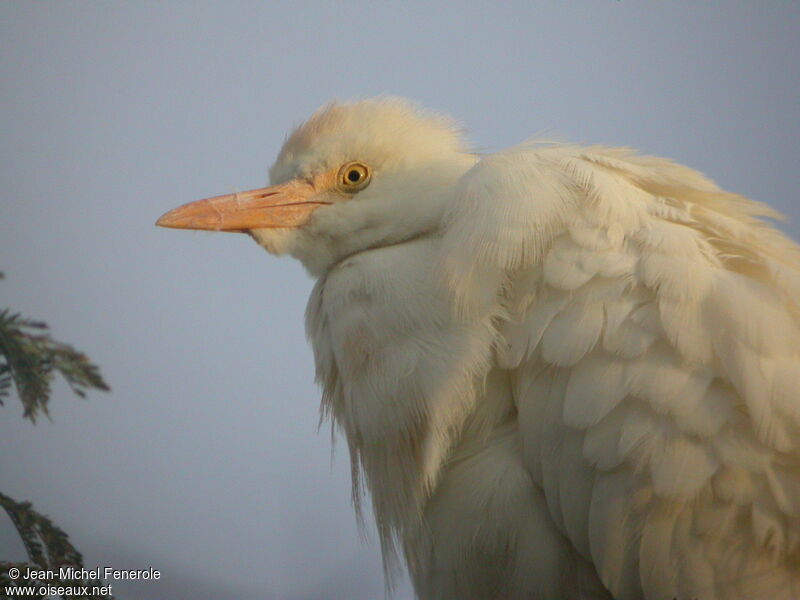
column 402, row 369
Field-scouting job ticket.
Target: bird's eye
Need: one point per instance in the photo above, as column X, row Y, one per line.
column 354, row 176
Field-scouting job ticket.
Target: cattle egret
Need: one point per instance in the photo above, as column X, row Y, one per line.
column 562, row 372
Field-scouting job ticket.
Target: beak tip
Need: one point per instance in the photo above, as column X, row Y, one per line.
column 172, row 220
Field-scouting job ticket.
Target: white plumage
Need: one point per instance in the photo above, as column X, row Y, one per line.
column 562, row 372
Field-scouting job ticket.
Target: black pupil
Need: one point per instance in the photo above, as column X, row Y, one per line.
column 354, row 176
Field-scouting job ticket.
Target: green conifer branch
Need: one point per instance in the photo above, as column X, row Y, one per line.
column 48, row 549
column 28, row 359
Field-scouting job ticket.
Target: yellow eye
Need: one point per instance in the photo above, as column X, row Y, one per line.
column 354, row 176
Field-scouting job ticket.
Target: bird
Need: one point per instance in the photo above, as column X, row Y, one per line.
column 562, row 371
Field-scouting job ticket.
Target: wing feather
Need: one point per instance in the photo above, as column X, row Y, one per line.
column 614, row 534
column 651, row 330
column 596, row 386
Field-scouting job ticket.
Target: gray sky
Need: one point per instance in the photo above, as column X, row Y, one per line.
column 204, row 461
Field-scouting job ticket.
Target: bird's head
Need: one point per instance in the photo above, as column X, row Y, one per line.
column 354, row 176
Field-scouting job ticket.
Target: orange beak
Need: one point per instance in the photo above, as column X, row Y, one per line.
column 286, row 205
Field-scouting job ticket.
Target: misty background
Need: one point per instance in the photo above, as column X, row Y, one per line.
column 205, row 461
